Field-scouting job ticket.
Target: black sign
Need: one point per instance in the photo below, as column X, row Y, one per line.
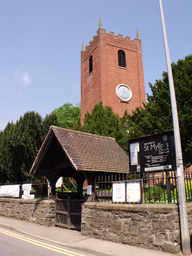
column 152, row 153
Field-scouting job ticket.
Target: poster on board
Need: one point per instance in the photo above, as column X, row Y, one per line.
column 134, row 149
column 118, row 192
column 133, row 192
column 10, row 190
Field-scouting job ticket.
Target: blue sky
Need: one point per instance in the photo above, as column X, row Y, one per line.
column 41, row 42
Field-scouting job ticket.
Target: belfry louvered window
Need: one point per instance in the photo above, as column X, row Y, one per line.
column 121, row 58
column 90, row 64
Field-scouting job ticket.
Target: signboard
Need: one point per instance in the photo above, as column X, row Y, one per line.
column 152, row 153
column 118, row 194
column 133, row 192
column 10, row 190
column 89, row 189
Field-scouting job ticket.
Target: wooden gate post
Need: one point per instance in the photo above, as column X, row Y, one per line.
column 68, row 213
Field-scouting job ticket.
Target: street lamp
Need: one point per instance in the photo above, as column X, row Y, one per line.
column 185, row 240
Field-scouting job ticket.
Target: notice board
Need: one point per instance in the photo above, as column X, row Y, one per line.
column 152, row 153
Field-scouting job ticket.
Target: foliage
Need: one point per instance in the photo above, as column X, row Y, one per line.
column 70, row 183
column 6, row 164
column 49, row 120
column 20, row 142
column 188, row 190
column 19, row 145
column 155, row 116
column 103, row 121
column 67, row 114
column 155, row 194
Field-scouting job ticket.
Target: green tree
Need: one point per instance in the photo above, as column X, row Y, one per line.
column 6, row 163
column 103, row 121
column 156, row 116
column 19, row 144
column 67, row 114
column 49, row 120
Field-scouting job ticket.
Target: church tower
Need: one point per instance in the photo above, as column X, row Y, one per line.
column 112, row 72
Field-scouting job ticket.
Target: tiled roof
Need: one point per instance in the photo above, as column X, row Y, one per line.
column 88, row 152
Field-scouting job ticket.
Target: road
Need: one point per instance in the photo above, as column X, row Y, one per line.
column 13, row 243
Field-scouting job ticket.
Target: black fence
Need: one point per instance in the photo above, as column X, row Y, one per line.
column 156, row 187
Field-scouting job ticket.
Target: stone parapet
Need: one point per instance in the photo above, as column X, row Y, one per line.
column 36, row 211
column 148, row 226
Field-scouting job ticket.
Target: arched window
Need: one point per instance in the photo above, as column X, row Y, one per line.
column 90, row 64
column 121, row 58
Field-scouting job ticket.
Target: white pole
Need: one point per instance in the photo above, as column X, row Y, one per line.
column 185, row 240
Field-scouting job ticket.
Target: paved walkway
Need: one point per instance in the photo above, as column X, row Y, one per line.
column 74, row 239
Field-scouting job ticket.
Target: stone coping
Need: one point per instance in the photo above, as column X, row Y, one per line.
column 158, row 208
column 25, row 201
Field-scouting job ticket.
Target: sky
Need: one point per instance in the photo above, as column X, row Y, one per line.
column 40, row 44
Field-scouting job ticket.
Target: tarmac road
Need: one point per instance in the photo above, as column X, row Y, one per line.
column 13, row 243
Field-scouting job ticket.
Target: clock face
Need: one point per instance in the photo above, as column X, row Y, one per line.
column 123, row 92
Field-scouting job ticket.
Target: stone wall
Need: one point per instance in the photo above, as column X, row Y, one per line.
column 189, row 213
column 145, row 225
column 36, row 211
column 148, row 226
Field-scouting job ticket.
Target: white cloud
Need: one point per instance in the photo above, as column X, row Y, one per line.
column 22, row 77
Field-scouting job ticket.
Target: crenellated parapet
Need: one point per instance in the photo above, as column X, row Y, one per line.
column 113, row 39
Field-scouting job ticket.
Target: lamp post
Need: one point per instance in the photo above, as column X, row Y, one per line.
column 185, row 240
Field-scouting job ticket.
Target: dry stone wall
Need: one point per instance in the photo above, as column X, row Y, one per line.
column 36, row 211
column 148, row 226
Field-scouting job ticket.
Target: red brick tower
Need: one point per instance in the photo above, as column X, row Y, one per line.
column 112, row 72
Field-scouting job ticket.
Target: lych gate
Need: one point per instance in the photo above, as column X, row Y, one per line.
column 68, row 153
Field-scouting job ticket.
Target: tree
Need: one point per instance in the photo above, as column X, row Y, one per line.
column 155, row 116
column 6, row 163
column 103, row 121
column 49, row 120
column 19, row 144
column 67, row 114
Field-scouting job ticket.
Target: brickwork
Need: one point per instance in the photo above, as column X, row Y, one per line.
column 101, row 83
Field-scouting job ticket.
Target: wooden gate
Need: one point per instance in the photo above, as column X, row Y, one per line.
column 68, row 213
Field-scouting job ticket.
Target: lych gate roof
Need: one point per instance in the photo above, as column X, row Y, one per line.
column 85, row 152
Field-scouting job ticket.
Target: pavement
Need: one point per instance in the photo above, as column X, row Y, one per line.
column 74, row 240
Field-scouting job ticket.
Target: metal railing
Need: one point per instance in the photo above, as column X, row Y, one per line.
column 156, row 187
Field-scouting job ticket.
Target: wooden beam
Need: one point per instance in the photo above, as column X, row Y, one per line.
column 61, row 166
column 48, row 171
